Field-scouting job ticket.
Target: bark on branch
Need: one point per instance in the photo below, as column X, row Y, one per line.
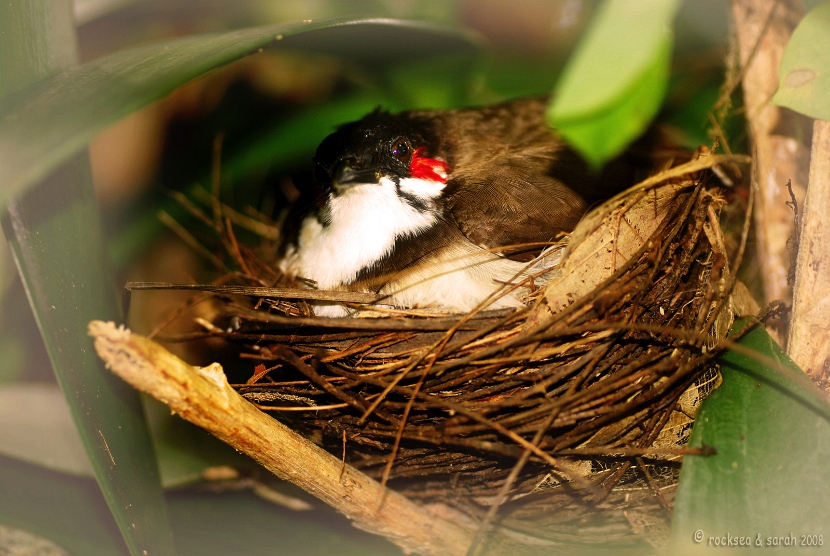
column 204, row 397
column 763, row 29
column 809, row 342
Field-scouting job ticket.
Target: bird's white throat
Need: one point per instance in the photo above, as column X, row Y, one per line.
column 364, row 222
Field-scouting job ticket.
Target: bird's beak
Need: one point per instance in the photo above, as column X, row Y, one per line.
column 344, row 176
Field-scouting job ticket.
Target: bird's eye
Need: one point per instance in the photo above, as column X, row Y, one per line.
column 400, row 149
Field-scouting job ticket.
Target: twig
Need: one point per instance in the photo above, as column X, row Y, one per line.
column 290, row 293
column 794, row 240
column 203, row 397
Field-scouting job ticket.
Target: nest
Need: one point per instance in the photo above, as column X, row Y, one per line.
column 540, row 410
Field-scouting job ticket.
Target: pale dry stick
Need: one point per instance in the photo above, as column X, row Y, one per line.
column 779, row 157
column 809, row 341
column 204, row 397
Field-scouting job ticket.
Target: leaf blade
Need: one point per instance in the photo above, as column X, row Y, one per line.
column 58, row 116
column 769, row 477
column 55, row 238
column 804, row 73
column 617, row 78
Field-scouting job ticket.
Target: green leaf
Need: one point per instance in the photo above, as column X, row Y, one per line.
column 770, row 478
column 54, row 119
column 804, row 74
column 37, row 38
column 616, row 80
column 55, row 237
column 67, row 510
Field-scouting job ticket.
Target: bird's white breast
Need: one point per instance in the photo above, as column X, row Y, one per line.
column 458, row 278
column 365, row 221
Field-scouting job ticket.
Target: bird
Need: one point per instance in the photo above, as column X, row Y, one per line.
column 441, row 208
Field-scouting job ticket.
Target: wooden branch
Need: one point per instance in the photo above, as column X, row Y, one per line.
column 763, row 30
column 809, row 342
column 204, row 397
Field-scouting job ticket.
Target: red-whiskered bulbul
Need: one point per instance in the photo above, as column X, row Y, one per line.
column 437, row 207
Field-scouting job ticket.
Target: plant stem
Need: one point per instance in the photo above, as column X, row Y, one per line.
column 809, row 341
column 763, row 29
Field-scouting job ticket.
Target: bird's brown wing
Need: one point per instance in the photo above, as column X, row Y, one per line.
column 514, row 205
column 508, row 175
column 513, row 181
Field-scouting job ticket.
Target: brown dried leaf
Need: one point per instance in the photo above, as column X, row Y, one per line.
column 609, row 235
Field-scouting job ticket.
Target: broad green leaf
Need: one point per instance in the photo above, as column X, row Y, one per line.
column 35, row 39
column 804, row 74
column 614, row 83
column 770, row 479
column 54, row 119
column 67, row 510
column 55, row 238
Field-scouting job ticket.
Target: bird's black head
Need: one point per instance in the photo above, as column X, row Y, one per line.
column 381, row 144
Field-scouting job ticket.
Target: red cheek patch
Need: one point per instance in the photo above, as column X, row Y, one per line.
column 425, row 168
